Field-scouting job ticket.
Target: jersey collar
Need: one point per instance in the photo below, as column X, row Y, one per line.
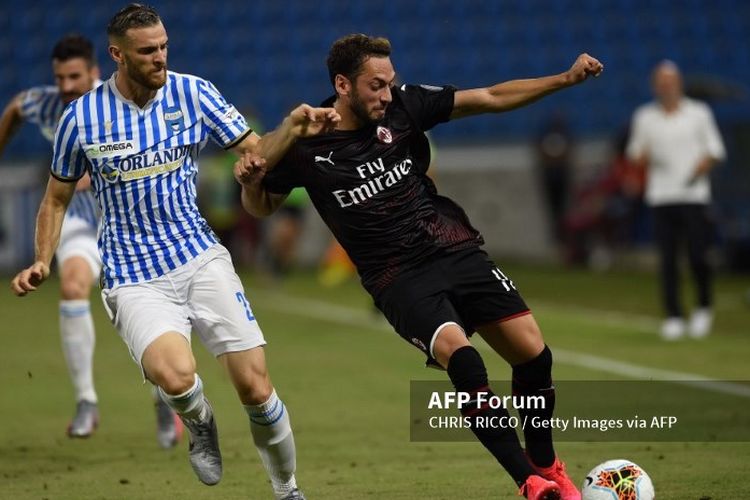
column 157, row 97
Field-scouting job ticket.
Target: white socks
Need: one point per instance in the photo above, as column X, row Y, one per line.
column 190, row 404
column 272, row 434
column 77, row 335
column 269, row 424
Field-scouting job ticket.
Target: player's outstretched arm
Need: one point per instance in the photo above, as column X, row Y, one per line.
column 48, row 223
column 516, row 93
column 303, row 121
column 10, row 120
column 249, row 171
column 259, row 155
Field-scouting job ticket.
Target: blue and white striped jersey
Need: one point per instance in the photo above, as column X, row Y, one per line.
column 143, row 164
column 43, row 107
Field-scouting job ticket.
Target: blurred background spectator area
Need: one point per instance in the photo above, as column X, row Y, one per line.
column 270, row 55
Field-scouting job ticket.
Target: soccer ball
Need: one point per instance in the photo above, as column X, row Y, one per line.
column 617, row 480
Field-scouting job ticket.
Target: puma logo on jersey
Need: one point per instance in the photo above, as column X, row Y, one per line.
column 319, row 159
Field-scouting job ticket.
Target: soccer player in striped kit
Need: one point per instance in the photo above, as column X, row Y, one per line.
column 164, row 273
column 76, row 72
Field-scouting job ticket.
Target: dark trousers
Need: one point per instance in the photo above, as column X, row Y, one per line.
column 677, row 227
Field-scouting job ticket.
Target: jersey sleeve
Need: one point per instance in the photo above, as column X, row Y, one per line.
column 227, row 126
column 31, row 104
column 285, row 176
column 68, row 158
column 428, row 105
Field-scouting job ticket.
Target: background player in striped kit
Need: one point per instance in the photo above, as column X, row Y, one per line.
column 164, row 273
column 76, row 72
column 416, row 251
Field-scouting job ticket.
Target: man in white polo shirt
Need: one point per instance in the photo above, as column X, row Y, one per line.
column 678, row 140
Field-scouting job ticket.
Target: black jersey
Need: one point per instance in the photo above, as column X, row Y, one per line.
column 371, row 189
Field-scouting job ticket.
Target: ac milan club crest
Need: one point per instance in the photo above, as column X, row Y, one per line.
column 384, row 135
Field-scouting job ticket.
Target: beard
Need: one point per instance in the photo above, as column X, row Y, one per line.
column 68, row 97
column 360, row 110
column 150, row 80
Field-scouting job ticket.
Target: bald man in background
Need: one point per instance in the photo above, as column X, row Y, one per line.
column 677, row 140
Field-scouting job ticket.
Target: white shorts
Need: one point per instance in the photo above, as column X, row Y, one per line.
column 205, row 295
column 78, row 239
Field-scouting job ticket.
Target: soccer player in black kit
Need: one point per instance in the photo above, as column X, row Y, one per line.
column 416, row 251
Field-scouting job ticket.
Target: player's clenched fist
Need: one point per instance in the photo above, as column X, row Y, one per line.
column 27, row 280
column 249, row 169
column 308, row 121
column 584, row 66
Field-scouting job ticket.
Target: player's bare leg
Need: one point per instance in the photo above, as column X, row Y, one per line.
column 169, row 426
column 169, row 363
column 269, row 419
column 77, row 337
column 519, row 341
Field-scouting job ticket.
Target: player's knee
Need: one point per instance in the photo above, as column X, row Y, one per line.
column 534, row 373
column 535, row 339
column 448, row 340
column 177, row 382
column 73, row 289
column 256, row 391
column 466, row 369
column 525, row 337
column 75, row 279
column 173, row 378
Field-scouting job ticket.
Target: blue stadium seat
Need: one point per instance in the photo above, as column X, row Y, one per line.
column 270, row 54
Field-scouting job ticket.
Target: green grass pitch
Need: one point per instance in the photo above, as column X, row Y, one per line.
column 345, row 378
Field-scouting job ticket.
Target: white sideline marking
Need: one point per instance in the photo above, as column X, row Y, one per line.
column 359, row 319
column 643, row 372
column 615, row 319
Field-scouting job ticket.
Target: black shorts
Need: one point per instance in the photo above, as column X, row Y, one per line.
column 464, row 287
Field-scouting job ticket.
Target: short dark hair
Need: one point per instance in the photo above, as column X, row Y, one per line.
column 73, row 46
column 134, row 15
column 348, row 53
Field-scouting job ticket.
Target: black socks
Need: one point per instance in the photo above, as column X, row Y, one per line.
column 534, row 378
column 468, row 374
